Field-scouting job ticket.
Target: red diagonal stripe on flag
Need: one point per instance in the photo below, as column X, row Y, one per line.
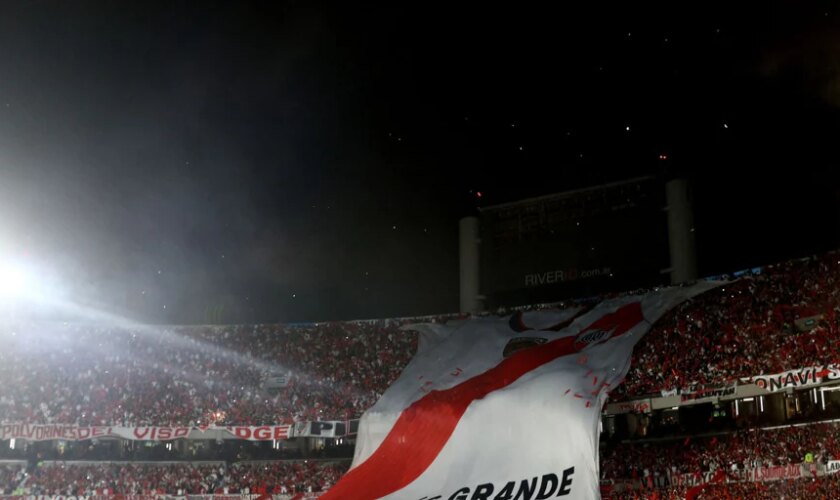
column 422, row 429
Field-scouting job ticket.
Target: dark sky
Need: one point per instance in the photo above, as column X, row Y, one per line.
column 256, row 161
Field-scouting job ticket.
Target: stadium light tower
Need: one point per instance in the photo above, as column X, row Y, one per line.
column 681, row 232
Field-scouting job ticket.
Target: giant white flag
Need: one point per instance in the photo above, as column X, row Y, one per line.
column 502, row 409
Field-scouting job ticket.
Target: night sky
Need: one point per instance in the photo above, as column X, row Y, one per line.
column 186, row 162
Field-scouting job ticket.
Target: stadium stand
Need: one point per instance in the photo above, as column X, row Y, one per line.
column 803, row 488
column 744, row 329
column 11, row 475
column 741, row 450
column 766, row 321
column 108, row 478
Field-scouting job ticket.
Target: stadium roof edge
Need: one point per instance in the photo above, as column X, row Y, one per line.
column 565, row 194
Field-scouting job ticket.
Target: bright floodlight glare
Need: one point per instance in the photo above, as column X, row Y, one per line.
column 14, row 280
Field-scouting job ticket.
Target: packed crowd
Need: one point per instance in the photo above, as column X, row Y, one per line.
column 112, row 479
column 749, row 327
column 109, row 478
column 827, row 488
column 197, row 376
column 745, row 449
column 286, row 477
column 822, row 488
column 334, row 371
column 10, row 476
